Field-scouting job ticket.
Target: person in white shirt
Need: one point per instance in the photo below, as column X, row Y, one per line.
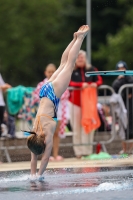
column 3, row 87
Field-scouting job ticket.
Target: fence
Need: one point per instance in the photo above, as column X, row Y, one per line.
column 126, row 91
column 104, row 93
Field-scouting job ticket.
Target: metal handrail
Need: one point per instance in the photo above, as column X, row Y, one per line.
column 126, row 86
column 113, row 131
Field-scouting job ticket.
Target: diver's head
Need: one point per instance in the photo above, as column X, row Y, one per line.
column 36, row 143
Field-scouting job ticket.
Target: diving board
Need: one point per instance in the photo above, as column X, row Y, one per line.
column 110, row 73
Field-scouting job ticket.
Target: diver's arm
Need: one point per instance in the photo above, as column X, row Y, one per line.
column 45, row 157
column 33, row 163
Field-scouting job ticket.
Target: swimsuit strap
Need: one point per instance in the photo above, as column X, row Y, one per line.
column 45, row 116
column 39, row 122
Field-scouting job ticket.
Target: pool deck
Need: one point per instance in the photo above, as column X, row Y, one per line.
column 70, row 163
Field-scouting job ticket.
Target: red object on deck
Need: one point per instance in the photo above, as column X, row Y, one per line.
column 98, row 148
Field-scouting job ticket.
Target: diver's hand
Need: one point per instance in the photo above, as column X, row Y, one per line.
column 36, row 177
column 33, row 177
column 40, row 178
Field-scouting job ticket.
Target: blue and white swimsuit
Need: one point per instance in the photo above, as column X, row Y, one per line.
column 47, row 90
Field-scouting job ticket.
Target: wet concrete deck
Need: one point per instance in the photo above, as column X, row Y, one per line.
column 102, row 183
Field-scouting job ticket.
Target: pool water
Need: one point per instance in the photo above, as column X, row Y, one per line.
column 69, row 184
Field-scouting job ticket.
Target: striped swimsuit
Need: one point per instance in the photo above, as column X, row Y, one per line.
column 47, row 90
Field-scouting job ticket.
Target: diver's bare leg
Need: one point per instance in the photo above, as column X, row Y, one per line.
column 62, row 81
column 63, row 59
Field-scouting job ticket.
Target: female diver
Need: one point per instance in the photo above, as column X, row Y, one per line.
column 41, row 139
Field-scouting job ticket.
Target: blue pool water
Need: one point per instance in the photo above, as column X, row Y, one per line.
column 69, row 184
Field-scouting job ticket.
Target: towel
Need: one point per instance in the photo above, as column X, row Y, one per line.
column 15, row 98
column 90, row 118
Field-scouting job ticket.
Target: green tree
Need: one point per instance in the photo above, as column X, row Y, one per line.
column 106, row 18
column 29, row 38
column 119, row 45
column 35, row 33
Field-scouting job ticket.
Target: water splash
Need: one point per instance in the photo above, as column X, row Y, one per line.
column 102, row 187
column 20, row 178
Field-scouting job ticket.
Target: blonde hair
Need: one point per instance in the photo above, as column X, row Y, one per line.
column 36, row 143
column 50, row 65
column 87, row 65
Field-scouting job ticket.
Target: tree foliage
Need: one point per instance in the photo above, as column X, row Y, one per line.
column 29, row 38
column 35, row 33
column 118, row 45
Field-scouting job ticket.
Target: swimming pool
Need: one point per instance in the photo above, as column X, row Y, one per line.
column 70, row 184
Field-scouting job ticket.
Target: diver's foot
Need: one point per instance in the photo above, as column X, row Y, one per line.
column 75, row 35
column 82, row 32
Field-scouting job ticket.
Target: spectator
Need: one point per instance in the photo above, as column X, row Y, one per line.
column 3, row 87
column 105, row 117
column 50, row 69
column 4, row 127
column 11, row 126
column 79, row 80
column 128, row 100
